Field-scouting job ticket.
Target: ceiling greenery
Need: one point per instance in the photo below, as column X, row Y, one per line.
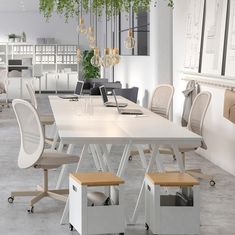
column 71, row 8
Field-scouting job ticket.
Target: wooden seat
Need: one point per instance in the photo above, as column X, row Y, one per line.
column 97, row 179
column 169, row 179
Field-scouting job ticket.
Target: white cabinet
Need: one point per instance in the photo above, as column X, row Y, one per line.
column 175, row 213
column 88, row 218
column 37, row 61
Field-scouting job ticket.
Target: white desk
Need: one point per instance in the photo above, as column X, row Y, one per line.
column 107, row 126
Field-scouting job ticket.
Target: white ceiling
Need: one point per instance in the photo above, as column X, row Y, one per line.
column 18, row 5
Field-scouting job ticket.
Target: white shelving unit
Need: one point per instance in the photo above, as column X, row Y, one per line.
column 3, row 56
column 54, row 66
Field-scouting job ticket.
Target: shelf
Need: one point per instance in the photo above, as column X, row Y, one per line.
column 44, row 54
column 2, row 53
column 64, row 54
column 19, row 66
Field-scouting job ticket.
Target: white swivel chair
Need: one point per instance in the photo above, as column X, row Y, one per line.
column 4, row 82
column 160, row 104
column 162, row 100
column 33, row 154
column 45, row 119
column 195, row 124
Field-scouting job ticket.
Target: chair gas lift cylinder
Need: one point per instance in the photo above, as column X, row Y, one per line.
column 93, row 212
column 172, row 213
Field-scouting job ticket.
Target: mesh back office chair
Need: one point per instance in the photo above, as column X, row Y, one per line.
column 45, row 119
column 162, row 100
column 195, row 124
column 4, row 86
column 32, row 153
column 128, row 93
column 160, row 104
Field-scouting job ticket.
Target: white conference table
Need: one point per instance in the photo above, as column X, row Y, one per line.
column 106, row 126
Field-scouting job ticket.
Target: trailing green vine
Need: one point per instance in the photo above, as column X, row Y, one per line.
column 70, row 8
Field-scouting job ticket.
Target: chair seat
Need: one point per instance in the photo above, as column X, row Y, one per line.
column 52, row 159
column 165, row 149
column 47, row 119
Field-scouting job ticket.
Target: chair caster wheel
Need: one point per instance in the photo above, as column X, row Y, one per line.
column 146, row 226
column 31, row 210
column 70, row 227
column 212, row 183
column 130, row 158
column 11, row 199
column 121, row 233
column 174, row 158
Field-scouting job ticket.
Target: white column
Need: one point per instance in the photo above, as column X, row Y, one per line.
column 161, row 49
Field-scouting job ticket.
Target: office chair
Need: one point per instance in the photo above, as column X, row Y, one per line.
column 33, row 154
column 45, row 119
column 128, row 93
column 160, row 104
column 4, row 82
column 162, row 100
column 195, row 124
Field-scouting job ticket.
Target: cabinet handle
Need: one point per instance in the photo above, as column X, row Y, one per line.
column 74, row 188
column 148, row 187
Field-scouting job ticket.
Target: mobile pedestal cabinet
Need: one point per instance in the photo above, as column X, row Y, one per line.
column 96, row 219
column 172, row 214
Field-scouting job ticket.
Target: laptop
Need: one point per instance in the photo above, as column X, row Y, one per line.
column 105, row 99
column 126, row 111
column 77, row 92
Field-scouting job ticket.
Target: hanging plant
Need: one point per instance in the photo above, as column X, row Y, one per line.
column 70, row 8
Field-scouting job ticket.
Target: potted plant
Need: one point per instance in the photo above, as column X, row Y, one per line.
column 23, row 37
column 89, row 71
column 11, row 37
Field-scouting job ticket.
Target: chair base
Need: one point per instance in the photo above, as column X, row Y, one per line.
column 59, row 194
column 41, row 192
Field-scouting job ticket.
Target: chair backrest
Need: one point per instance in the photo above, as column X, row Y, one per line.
column 32, row 95
column 198, row 112
column 4, row 79
column 162, row 100
column 128, row 93
column 31, row 133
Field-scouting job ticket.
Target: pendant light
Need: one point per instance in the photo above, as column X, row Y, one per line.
column 78, row 51
column 82, row 28
column 115, row 55
column 107, row 60
column 130, row 41
column 96, row 59
column 90, row 31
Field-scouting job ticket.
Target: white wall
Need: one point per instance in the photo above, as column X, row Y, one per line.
column 35, row 26
column 146, row 72
column 219, row 133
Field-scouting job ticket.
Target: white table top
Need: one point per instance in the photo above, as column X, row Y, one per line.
column 106, row 125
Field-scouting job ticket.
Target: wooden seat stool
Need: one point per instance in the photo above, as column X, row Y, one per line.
column 102, row 219
column 172, row 214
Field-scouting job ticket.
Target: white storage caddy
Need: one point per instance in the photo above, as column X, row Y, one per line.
column 166, row 214
column 96, row 219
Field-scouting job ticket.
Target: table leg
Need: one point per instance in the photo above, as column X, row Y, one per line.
column 55, row 138
column 100, row 157
column 142, row 156
column 141, row 193
column 64, row 169
column 106, row 157
column 66, row 209
column 124, row 159
column 179, row 157
column 95, row 158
